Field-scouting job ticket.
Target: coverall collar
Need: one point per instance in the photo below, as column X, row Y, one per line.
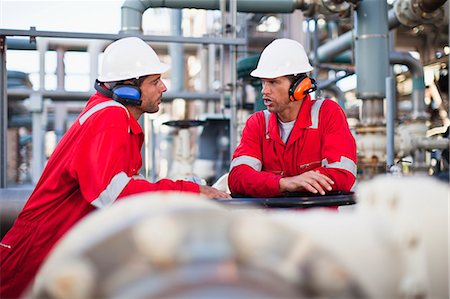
column 134, row 125
column 303, row 121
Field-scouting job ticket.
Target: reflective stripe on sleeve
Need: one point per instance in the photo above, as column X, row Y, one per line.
column 247, row 160
column 315, row 113
column 99, row 107
column 112, row 191
column 345, row 163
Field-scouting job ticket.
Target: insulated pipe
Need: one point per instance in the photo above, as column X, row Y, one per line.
column 132, row 10
column 371, row 49
column 416, row 69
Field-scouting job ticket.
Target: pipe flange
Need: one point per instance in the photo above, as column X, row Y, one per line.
column 336, row 6
column 410, row 13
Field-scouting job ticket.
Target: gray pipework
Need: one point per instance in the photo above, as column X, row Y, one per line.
column 3, row 113
column 344, row 42
column 327, row 51
column 431, row 143
column 416, row 69
column 132, row 10
column 371, row 49
column 390, row 121
column 233, row 66
column 176, row 52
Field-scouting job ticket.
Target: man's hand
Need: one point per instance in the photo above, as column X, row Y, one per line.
column 312, row 181
column 212, row 193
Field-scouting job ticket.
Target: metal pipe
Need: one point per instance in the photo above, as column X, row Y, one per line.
column 430, row 5
column 327, row 51
column 55, row 95
column 315, row 47
column 3, row 113
column 371, row 49
column 233, row 72
column 431, row 143
column 60, row 68
column 132, row 10
column 102, row 36
column 390, row 121
column 176, row 53
column 416, row 69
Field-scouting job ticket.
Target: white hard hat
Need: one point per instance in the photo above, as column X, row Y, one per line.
column 129, row 58
column 280, row 58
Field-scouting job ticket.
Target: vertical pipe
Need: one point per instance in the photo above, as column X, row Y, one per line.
column 94, row 48
column 371, row 49
column 153, row 152
column 60, row 68
column 3, row 112
column 36, row 104
column 390, row 121
column 60, row 120
column 315, row 47
column 233, row 71
column 212, row 77
column 176, row 53
column 222, row 57
column 42, row 47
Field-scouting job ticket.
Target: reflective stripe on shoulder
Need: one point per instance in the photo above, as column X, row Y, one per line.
column 266, row 118
column 112, row 191
column 315, row 109
column 247, row 160
column 99, row 107
column 345, row 163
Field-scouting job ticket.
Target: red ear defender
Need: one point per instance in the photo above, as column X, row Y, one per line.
column 301, row 87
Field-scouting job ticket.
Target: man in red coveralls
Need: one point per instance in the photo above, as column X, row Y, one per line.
column 96, row 163
column 297, row 144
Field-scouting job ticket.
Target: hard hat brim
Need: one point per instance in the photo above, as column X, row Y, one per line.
column 257, row 73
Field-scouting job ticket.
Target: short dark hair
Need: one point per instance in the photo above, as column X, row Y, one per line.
column 135, row 81
column 294, row 78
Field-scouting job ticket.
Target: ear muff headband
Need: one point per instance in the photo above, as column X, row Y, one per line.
column 125, row 94
column 301, row 87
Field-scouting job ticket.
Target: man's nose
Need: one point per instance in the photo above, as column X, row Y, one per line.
column 163, row 87
column 265, row 89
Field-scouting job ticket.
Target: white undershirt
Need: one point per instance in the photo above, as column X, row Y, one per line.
column 285, row 130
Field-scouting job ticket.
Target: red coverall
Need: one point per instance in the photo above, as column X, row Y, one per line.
column 95, row 163
column 320, row 140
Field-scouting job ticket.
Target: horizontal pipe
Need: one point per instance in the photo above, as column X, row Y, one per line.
column 344, row 42
column 103, row 36
column 56, row 95
column 430, row 5
column 132, row 10
column 431, row 143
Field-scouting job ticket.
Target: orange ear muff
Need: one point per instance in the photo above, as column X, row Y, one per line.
column 301, row 87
